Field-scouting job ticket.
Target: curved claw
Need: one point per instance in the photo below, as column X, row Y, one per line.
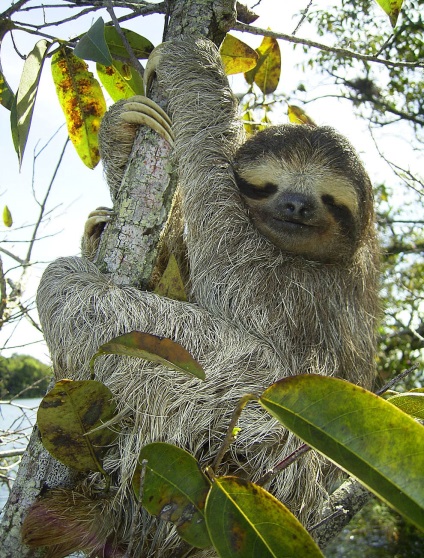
column 93, row 229
column 96, row 222
column 143, row 111
column 152, row 64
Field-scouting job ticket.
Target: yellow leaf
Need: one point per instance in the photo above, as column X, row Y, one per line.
column 392, row 9
column 266, row 73
column 7, row 217
column 120, row 81
column 82, row 101
column 237, row 56
column 171, row 284
column 298, row 116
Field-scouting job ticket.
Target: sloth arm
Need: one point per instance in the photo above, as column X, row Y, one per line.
column 79, row 307
column 207, row 132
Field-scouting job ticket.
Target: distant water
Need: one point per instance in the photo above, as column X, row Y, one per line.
column 16, row 422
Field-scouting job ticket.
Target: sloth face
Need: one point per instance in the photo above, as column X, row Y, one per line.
column 305, row 190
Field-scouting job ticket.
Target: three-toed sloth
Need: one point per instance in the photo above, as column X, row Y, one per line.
column 283, row 261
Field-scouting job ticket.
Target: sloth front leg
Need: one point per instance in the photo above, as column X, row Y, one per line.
column 142, row 111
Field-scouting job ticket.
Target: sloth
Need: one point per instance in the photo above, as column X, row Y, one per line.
column 280, row 243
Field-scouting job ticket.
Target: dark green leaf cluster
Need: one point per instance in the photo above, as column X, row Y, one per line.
column 233, row 514
column 19, row 373
column 402, row 330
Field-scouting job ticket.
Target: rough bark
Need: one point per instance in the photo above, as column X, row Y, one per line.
column 133, row 238
column 343, row 505
column 127, row 250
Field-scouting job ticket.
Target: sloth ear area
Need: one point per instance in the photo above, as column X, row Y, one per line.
column 142, row 111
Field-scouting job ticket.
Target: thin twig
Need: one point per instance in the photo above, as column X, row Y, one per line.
column 302, row 19
column 13, row 256
column 14, row 8
column 11, row 453
column 44, row 202
column 134, row 60
column 229, row 437
column 397, row 379
column 294, row 456
column 313, row 44
column 3, row 292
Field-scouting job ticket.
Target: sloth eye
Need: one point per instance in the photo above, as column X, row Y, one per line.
column 255, row 192
column 329, row 200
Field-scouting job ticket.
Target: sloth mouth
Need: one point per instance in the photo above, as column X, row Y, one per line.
column 294, row 223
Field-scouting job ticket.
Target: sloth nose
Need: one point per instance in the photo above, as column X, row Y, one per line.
column 296, row 206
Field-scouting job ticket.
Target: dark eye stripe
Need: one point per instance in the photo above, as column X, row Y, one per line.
column 342, row 215
column 255, row 192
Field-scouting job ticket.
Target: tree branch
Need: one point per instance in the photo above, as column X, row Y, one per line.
column 320, row 46
column 342, row 505
column 3, row 293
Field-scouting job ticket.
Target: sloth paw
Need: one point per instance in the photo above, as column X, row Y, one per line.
column 143, row 111
column 93, row 229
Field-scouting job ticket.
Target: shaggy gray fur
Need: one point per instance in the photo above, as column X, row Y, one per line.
column 255, row 315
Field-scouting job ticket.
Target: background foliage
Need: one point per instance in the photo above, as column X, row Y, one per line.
column 19, row 372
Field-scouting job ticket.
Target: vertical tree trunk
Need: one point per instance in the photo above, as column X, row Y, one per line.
column 132, row 235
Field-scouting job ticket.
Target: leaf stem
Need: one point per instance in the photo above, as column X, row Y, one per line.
column 229, row 438
column 294, row 456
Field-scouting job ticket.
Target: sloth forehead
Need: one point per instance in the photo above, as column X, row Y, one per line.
column 311, row 177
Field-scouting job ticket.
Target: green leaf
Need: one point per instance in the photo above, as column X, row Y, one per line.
column 411, row 403
column 120, row 80
column 82, row 101
column 141, row 46
column 154, row 349
column 68, row 413
column 7, row 217
column 6, row 94
column 25, row 97
column 174, row 489
column 363, row 434
column 171, row 283
column 246, row 521
column 92, row 45
column 392, row 9
column 266, row 73
column 237, row 56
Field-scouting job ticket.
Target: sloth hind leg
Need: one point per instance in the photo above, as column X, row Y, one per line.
column 93, row 229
